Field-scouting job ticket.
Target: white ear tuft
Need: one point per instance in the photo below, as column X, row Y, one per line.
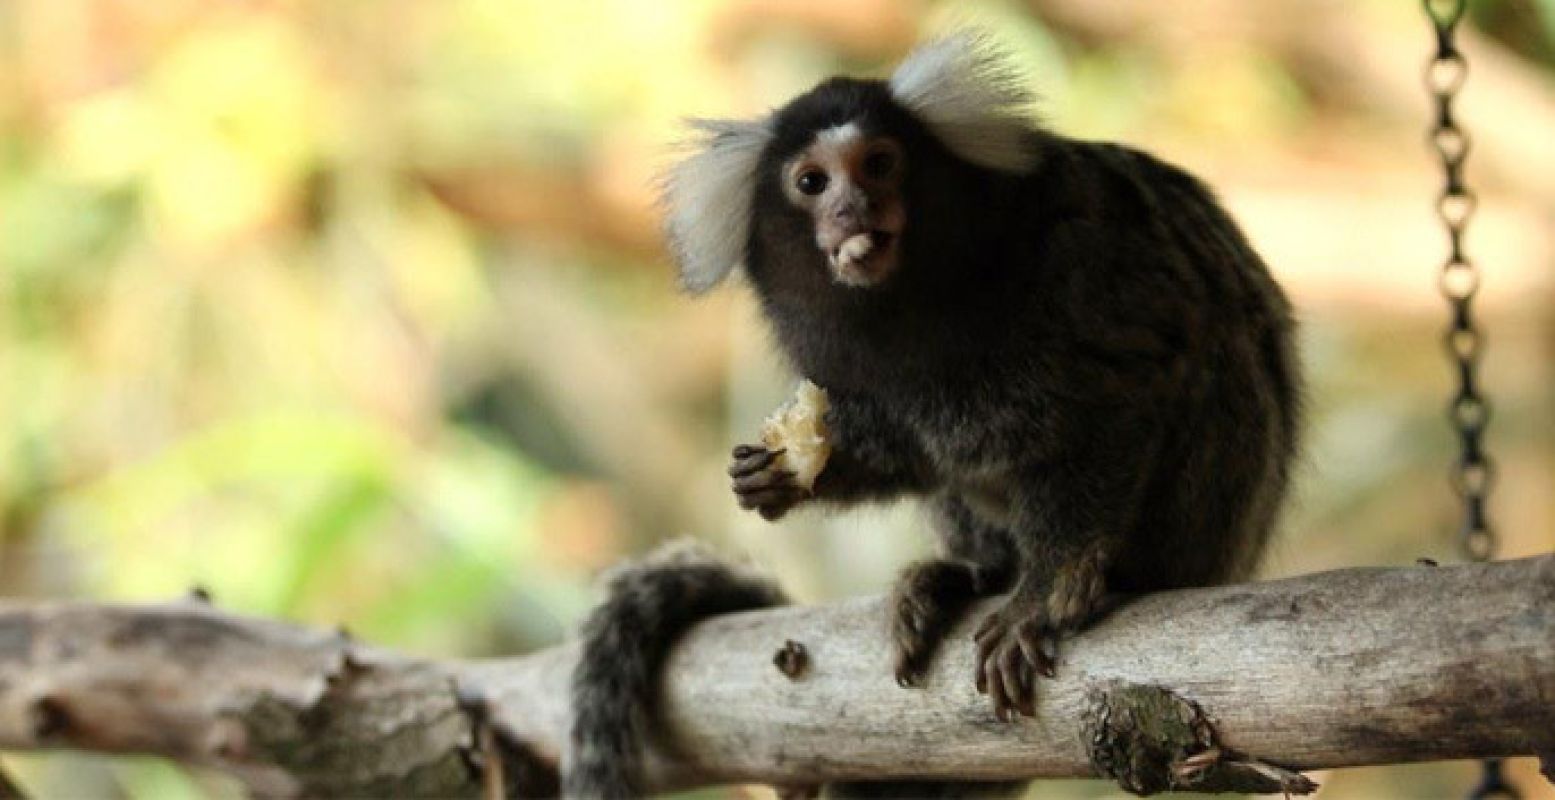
column 708, row 199
column 967, row 93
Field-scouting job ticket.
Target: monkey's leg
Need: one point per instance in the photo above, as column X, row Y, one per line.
column 1019, row 640
column 1074, row 514
column 931, row 595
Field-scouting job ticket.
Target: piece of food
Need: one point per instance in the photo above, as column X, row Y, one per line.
column 799, row 430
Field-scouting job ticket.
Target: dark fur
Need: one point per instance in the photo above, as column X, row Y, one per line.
column 1093, row 343
column 1084, row 369
column 648, row 605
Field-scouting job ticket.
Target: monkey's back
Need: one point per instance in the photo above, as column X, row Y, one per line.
column 1224, row 376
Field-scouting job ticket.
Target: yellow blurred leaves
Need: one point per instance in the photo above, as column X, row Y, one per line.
column 220, row 131
column 238, row 108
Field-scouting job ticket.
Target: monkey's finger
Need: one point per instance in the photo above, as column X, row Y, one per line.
column 988, row 644
column 775, row 512
column 773, row 496
column 1028, row 701
column 1041, row 647
column 911, row 618
column 1049, row 642
column 995, row 682
column 752, row 462
column 1010, row 675
column 986, row 628
column 765, row 479
column 986, row 662
column 1030, row 642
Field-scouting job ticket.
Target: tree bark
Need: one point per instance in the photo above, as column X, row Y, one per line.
column 1347, row 668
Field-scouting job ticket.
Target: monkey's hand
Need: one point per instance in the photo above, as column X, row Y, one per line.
column 1019, row 640
column 761, row 483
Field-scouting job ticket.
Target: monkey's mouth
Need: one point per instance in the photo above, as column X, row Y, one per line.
column 864, row 259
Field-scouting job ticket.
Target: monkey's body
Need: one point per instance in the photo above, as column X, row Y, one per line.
column 1067, row 349
column 1089, row 337
column 1082, row 367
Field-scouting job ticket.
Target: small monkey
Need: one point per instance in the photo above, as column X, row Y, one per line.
column 1066, row 350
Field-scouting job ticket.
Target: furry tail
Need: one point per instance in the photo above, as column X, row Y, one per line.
column 648, row 605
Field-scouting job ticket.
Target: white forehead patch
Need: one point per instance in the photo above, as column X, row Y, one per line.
column 840, row 134
column 969, row 95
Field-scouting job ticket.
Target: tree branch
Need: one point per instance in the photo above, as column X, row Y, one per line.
column 1348, row 668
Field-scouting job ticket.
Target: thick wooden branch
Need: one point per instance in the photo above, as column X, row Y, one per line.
column 1348, row 668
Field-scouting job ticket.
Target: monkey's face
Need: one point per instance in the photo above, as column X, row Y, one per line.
column 850, row 184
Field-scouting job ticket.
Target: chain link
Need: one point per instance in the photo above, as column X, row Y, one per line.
column 1472, row 474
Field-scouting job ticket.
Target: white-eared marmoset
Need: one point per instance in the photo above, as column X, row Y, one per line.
column 1066, row 349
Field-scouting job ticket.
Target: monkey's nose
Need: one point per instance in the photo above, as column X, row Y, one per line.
column 852, row 210
column 851, row 218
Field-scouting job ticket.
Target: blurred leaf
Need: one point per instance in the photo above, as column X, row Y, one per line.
column 323, row 532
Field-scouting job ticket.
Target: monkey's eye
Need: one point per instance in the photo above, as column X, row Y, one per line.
column 811, row 182
column 880, row 164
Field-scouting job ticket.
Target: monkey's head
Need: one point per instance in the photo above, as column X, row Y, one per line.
column 829, row 184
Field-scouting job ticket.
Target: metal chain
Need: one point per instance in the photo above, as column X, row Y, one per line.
column 1459, row 281
column 1473, row 473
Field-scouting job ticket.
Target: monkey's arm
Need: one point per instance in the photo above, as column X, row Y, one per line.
column 873, row 457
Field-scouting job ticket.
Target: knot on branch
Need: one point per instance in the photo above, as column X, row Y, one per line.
column 1149, row 739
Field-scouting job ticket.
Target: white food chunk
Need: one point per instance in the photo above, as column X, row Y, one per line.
column 799, row 430
column 855, row 248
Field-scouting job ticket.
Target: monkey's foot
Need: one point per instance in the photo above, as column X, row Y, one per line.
column 929, row 597
column 1014, row 644
column 761, row 484
column 1020, row 640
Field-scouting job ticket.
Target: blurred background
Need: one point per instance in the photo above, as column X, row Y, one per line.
column 356, row 312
